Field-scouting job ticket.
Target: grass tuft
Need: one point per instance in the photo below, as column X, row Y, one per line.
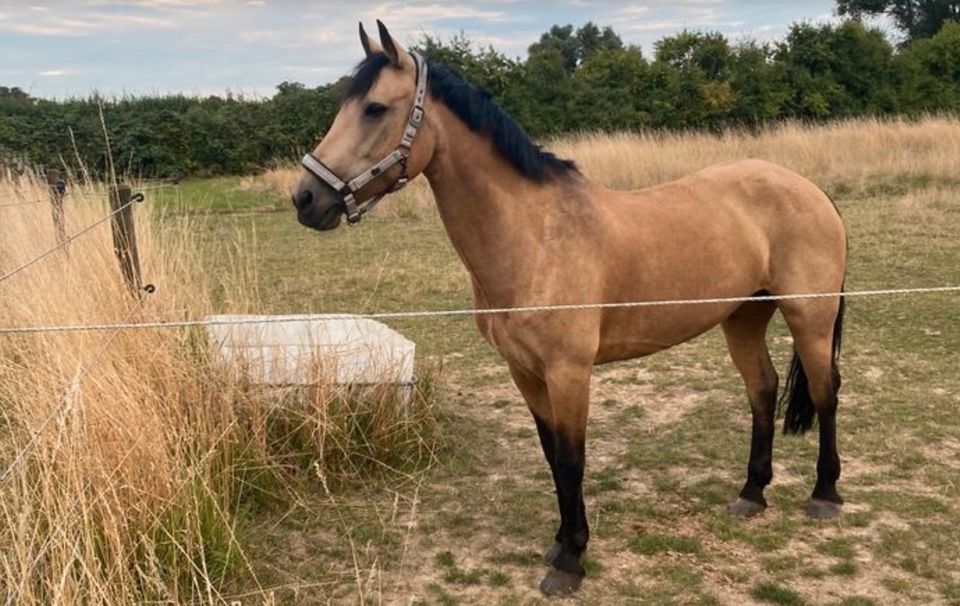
column 772, row 593
column 143, row 456
column 652, row 544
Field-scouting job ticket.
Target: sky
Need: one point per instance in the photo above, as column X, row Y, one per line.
column 199, row 47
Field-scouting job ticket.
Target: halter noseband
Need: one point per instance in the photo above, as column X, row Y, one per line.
column 348, row 189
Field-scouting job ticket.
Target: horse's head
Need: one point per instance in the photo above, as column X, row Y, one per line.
column 378, row 141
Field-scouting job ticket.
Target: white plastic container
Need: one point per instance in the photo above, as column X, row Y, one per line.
column 302, row 350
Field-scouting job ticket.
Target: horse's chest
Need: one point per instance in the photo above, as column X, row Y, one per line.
column 499, row 333
column 491, row 329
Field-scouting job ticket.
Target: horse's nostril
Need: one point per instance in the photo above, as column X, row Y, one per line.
column 303, row 198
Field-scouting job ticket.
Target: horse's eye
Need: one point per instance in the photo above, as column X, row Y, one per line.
column 374, row 109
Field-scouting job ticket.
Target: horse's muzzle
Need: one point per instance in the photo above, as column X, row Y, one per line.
column 317, row 207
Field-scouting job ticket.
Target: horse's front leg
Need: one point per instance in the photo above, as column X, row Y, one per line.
column 559, row 403
column 534, row 391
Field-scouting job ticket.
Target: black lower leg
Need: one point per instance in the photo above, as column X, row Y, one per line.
column 547, row 442
column 828, row 462
column 760, row 466
column 574, row 531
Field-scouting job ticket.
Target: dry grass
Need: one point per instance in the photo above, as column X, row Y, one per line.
column 855, row 156
column 133, row 454
column 843, row 157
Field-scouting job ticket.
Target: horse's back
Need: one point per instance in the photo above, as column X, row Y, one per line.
column 770, row 205
column 750, row 182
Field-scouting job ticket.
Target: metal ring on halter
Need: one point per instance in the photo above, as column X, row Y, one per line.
column 348, row 189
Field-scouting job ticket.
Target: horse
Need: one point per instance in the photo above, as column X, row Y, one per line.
column 532, row 230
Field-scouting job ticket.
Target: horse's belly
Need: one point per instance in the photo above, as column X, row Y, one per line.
column 633, row 333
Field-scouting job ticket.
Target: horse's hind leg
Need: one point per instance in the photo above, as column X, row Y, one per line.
column 816, row 326
column 746, row 332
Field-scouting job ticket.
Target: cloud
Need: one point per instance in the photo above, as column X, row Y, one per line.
column 87, row 24
column 55, row 73
column 283, row 38
column 405, row 16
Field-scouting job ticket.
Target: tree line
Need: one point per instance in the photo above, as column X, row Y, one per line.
column 572, row 79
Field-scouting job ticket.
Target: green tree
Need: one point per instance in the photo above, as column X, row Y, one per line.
column 930, row 73
column 758, row 85
column 559, row 41
column 702, row 61
column 839, row 71
column 593, row 40
column 616, row 90
column 545, row 95
column 916, row 18
column 576, row 46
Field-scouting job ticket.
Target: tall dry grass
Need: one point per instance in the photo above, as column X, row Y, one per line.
column 855, row 156
column 851, row 157
column 136, row 451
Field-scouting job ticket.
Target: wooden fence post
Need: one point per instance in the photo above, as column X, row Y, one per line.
column 58, row 188
column 125, row 237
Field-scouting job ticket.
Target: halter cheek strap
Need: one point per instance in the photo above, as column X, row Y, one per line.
column 348, row 189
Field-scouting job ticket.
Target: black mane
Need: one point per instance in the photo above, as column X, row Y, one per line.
column 478, row 111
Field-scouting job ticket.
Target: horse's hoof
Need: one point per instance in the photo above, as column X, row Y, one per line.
column 551, row 555
column 560, row 584
column 745, row 508
column 818, row 509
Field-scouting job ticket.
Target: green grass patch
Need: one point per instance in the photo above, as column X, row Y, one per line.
column 846, row 568
column 651, row 544
column 773, row 593
column 838, row 548
column 498, row 578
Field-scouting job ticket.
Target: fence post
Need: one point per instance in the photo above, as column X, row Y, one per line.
column 125, row 237
column 58, row 188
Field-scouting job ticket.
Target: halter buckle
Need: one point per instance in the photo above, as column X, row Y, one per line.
column 353, row 211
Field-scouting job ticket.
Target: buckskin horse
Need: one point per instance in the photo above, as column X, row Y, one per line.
column 532, row 230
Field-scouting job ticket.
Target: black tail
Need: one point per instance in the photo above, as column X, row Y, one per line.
column 799, row 415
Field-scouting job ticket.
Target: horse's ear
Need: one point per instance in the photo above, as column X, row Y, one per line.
column 370, row 47
column 393, row 49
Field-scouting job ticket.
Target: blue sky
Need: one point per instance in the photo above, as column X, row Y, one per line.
column 56, row 49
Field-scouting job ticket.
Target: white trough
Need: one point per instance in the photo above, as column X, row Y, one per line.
column 302, row 350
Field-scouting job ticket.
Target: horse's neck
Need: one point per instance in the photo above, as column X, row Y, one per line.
column 492, row 214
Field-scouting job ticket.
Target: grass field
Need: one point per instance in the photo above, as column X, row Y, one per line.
column 669, row 435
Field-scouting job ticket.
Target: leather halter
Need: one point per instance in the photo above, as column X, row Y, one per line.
column 348, row 189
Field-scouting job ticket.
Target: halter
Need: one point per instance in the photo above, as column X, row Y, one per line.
column 348, row 189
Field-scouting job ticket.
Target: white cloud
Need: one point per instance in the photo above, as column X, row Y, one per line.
column 55, row 73
column 86, row 24
column 405, row 17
